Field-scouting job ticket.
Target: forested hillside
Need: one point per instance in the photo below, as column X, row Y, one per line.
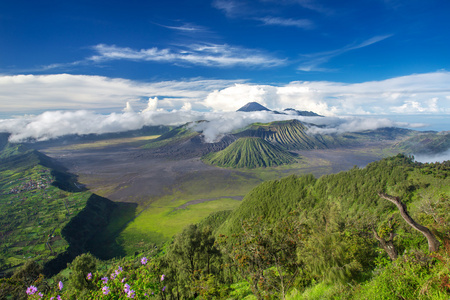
column 335, row 237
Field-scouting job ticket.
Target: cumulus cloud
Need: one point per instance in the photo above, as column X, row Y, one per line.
column 34, row 93
column 53, row 124
column 414, row 94
column 418, row 93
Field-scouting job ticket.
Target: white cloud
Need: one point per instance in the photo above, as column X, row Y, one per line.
column 53, row 124
column 210, row 55
column 418, row 93
column 429, row 158
column 353, row 124
column 152, row 104
column 34, row 93
column 231, row 8
column 314, row 5
column 300, row 23
column 187, row 27
column 312, row 62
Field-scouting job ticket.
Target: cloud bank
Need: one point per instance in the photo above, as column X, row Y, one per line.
column 439, row 157
column 427, row 93
column 54, row 124
column 36, row 93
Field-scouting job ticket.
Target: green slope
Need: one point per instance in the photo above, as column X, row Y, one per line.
column 290, row 134
column 354, row 191
column 425, row 143
column 250, row 153
column 37, row 199
column 174, row 136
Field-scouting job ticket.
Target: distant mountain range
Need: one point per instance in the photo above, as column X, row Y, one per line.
column 255, row 106
column 264, row 144
column 271, row 143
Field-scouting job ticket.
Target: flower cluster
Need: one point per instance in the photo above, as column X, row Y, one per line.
column 31, row 290
column 128, row 291
column 33, row 293
column 105, row 290
column 142, row 283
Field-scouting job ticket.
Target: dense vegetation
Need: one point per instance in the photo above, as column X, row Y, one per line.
column 293, row 238
column 45, row 215
column 37, row 199
column 250, row 153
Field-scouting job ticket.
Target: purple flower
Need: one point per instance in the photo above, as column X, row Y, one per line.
column 163, row 288
column 123, row 279
column 105, row 280
column 131, row 294
column 41, row 295
column 31, row 290
column 162, row 277
column 126, row 288
column 105, row 290
column 60, row 285
column 52, row 298
column 119, row 269
column 89, row 276
column 113, row 276
column 58, row 297
column 144, row 260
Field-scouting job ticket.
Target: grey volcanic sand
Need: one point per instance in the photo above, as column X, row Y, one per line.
column 133, row 175
column 123, row 174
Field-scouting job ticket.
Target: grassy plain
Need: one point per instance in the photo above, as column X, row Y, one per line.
column 133, row 141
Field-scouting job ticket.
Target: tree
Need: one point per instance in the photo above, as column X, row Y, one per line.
column 266, row 256
column 387, row 244
column 433, row 243
column 81, row 266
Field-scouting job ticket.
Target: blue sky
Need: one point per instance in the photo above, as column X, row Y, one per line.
column 360, row 57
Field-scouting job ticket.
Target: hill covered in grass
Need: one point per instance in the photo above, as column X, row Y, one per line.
column 250, row 152
column 39, row 203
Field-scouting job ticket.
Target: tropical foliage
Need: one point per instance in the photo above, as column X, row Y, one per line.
column 292, row 238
